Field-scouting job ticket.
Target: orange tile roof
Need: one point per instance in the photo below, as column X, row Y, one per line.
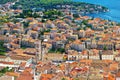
column 86, row 61
column 97, row 19
column 29, row 18
column 46, row 76
column 40, row 23
column 73, row 63
column 47, row 33
column 77, row 42
column 23, row 64
column 12, row 74
column 114, row 66
column 84, row 52
column 83, row 39
column 57, row 39
column 39, row 63
column 102, row 22
column 28, row 69
column 111, row 77
column 73, row 73
column 3, row 57
column 25, row 76
column 118, row 74
column 107, row 61
column 78, row 19
column 95, row 51
column 62, row 67
column 35, row 29
column 4, row 62
column 18, row 51
column 85, row 17
column 90, row 21
column 19, row 11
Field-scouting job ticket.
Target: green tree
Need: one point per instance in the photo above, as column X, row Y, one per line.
column 2, row 48
column 76, row 15
column 25, row 24
column 43, row 20
column 4, row 19
column 5, row 1
column 76, row 79
column 85, row 22
column 105, row 47
column 63, row 79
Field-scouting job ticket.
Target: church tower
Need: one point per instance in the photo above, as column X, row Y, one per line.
column 38, row 48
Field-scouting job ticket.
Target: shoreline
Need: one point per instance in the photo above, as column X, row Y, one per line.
column 112, row 15
column 80, row 6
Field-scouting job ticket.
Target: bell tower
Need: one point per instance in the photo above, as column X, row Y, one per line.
column 38, row 48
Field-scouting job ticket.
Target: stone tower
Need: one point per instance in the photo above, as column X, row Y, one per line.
column 39, row 52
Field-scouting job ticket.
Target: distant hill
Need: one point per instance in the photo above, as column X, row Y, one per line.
column 28, row 4
column 38, row 5
column 5, row 1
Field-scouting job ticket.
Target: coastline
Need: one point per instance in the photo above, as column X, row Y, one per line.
column 112, row 15
column 76, row 7
column 82, row 8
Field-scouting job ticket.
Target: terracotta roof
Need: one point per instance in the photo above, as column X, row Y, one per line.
column 18, row 11
column 97, row 19
column 94, row 52
column 26, row 75
column 46, row 76
column 3, row 57
column 18, row 51
column 107, row 52
column 22, row 64
column 78, row 19
column 62, row 67
column 30, row 51
column 118, row 74
column 30, row 18
column 86, row 61
column 84, row 52
column 114, row 66
column 12, row 74
column 77, row 42
column 4, row 62
column 85, row 17
column 19, row 57
column 107, row 61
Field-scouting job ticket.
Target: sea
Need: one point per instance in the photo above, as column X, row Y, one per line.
column 113, row 5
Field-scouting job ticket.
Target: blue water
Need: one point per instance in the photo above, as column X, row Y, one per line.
column 113, row 5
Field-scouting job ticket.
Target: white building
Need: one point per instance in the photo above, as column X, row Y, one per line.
column 94, row 54
column 107, row 55
column 78, row 45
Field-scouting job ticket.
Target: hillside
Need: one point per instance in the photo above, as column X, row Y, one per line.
column 38, row 3
column 59, row 4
